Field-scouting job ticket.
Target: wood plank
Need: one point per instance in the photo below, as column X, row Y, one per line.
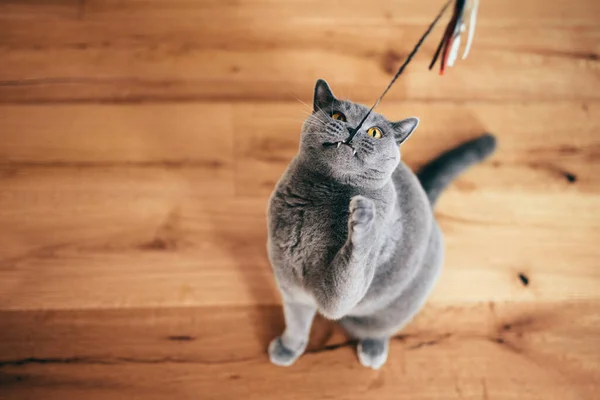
column 445, row 353
column 125, row 251
column 149, row 51
column 477, row 377
column 292, row 29
column 73, row 149
column 171, row 74
column 40, row 10
column 172, row 134
column 193, row 333
column 558, row 13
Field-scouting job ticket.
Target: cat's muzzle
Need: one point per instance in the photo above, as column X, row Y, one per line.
column 339, row 144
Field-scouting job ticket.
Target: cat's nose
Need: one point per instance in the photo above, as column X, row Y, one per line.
column 351, row 132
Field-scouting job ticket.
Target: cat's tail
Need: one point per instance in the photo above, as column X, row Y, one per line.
column 440, row 172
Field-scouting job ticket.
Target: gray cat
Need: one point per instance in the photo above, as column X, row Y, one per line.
column 351, row 229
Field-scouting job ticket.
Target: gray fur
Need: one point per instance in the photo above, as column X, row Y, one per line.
column 351, row 229
column 439, row 173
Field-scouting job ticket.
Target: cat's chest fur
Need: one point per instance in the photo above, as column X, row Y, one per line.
column 308, row 232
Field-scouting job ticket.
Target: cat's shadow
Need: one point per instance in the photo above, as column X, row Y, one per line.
column 247, row 248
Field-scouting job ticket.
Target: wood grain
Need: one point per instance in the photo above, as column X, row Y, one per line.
column 139, row 141
column 179, row 351
column 148, row 51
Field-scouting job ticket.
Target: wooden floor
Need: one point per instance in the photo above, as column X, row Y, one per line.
column 139, row 141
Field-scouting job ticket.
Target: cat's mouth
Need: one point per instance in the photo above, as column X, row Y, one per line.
column 339, row 144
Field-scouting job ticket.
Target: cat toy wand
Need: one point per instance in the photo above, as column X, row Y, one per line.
column 448, row 46
column 451, row 40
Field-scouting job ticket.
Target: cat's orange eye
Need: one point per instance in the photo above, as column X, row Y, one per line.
column 338, row 116
column 374, row 132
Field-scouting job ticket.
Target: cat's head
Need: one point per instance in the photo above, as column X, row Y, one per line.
column 369, row 158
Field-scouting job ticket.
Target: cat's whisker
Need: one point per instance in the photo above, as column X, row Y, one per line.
column 314, row 116
column 310, row 117
column 312, row 113
column 302, row 120
column 324, row 113
column 323, row 123
column 314, row 124
column 321, row 118
column 309, row 107
column 316, row 127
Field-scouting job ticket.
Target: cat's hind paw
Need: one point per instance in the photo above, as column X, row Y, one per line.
column 281, row 355
column 373, row 353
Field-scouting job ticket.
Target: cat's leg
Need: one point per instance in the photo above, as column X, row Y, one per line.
column 373, row 336
column 285, row 349
column 339, row 287
column 374, row 331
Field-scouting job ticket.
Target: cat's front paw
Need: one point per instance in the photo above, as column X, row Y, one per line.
column 281, row 355
column 362, row 214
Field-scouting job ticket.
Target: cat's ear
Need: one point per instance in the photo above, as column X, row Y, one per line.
column 403, row 129
column 323, row 95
